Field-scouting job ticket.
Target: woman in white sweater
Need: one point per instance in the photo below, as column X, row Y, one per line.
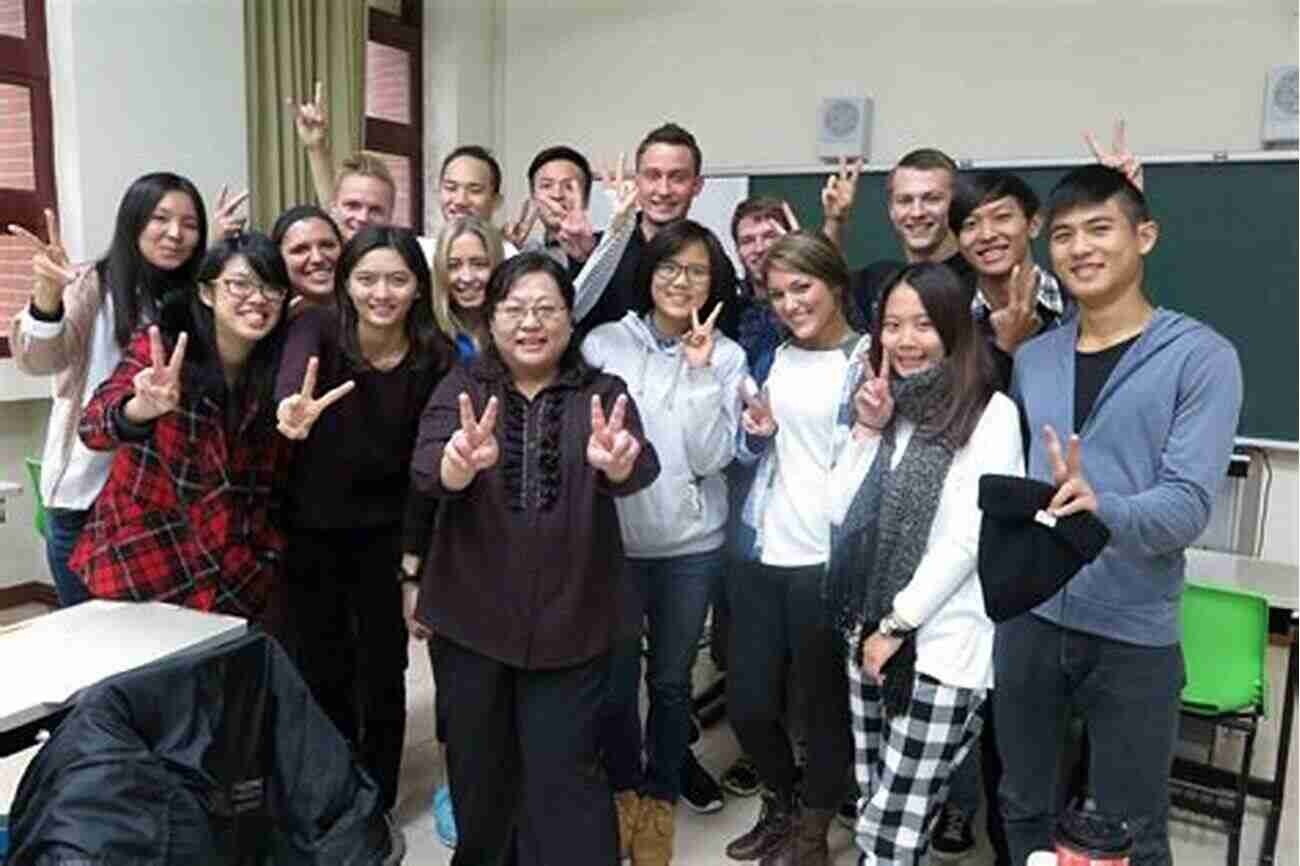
column 685, row 377
column 901, row 583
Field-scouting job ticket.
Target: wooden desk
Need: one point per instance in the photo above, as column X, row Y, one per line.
column 1280, row 584
column 47, row 660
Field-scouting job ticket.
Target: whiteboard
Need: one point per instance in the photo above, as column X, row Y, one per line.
column 713, row 208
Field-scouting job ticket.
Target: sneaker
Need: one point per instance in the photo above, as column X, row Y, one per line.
column 444, row 819
column 953, row 837
column 772, row 832
column 847, row 814
column 741, row 778
column 699, row 789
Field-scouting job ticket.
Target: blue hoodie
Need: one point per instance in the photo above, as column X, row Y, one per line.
column 1154, row 450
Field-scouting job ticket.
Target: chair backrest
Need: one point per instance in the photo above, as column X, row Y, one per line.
column 1225, row 642
column 34, row 473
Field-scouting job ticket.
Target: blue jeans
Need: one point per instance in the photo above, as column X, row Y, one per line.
column 1128, row 696
column 62, row 529
column 674, row 595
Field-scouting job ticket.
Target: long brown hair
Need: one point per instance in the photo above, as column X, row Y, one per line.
column 966, row 356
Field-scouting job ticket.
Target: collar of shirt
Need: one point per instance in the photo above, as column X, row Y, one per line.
column 1049, row 297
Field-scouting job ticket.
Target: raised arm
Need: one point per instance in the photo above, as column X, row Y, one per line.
column 837, row 198
column 713, row 407
column 144, row 386
column 313, row 131
column 595, row 275
column 40, row 339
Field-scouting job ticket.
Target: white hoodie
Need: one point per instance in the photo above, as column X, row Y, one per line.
column 690, row 416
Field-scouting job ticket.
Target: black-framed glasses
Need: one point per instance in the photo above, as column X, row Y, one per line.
column 669, row 270
column 243, row 288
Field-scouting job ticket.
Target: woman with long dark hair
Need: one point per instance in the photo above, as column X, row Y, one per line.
column 379, row 353
column 523, row 585
column 79, row 322
column 187, row 513
column 311, row 243
column 901, row 584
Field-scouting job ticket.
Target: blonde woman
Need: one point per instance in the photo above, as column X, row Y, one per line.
column 468, row 250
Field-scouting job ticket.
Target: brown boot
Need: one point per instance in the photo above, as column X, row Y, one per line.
column 810, row 847
column 652, row 843
column 628, row 806
column 773, row 832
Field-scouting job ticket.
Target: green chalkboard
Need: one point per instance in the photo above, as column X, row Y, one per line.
column 1228, row 254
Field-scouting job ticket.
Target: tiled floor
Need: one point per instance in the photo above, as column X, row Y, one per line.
column 701, row 838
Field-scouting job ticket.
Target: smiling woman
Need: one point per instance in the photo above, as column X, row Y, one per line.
column 187, row 417
column 310, row 242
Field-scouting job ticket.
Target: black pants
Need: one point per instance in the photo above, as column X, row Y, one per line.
column 526, row 783
column 342, row 623
column 779, row 621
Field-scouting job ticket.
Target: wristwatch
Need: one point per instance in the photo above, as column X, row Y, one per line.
column 891, row 626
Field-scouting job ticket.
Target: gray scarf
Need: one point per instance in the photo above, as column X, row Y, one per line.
column 876, row 550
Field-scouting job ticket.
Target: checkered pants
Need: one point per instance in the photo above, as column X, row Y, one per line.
column 903, row 763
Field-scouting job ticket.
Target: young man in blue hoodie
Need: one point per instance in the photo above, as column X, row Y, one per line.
column 1152, row 397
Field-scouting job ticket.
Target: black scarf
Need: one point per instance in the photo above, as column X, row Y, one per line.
column 876, row 550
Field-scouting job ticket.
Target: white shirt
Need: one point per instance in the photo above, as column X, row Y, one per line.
column 804, row 388
column 954, row 639
column 76, row 485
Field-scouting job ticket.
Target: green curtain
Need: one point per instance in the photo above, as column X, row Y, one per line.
column 289, row 46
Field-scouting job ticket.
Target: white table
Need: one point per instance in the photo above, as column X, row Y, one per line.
column 1280, row 584
column 47, row 660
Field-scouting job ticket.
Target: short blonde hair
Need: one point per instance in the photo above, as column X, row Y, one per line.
column 366, row 165
column 448, row 321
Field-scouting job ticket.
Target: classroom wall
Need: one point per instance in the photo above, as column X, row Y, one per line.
column 137, row 86
column 997, row 79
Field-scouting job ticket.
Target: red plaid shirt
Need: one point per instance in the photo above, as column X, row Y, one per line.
column 187, row 514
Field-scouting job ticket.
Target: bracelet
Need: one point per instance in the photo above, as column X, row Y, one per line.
column 404, row 576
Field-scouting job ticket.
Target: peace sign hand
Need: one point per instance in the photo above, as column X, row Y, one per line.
column 610, row 448
column 621, row 192
column 873, row 402
column 756, row 418
column 310, row 119
column 225, row 224
column 298, row 412
column 1119, row 157
column 576, row 234
column 840, row 190
column 698, row 342
column 517, row 232
column 1073, row 492
column 473, row 447
column 1018, row 319
column 50, row 265
column 158, row 386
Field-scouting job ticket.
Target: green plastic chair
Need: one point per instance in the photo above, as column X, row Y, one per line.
column 34, row 473
column 1225, row 650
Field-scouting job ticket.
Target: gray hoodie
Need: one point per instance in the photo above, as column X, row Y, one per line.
column 1154, row 449
column 691, row 416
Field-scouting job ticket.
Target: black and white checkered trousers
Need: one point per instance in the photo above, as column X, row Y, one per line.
column 903, row 763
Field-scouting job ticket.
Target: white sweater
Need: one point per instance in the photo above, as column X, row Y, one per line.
column 954, row 639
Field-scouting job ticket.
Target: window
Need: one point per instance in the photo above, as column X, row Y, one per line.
column 395, row 103
column 26, row 146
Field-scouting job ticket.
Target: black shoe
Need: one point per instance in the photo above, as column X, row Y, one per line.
column 741, row 778
column 773, row 831
column 953, row 837
column 699, row 790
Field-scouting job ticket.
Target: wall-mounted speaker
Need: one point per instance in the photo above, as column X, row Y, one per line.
column 1281, row 107
column 844, row 127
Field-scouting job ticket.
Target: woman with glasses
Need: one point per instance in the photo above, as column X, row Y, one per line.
column 187, row 513
column 529, row 447
column 685, row 376
column 350, row 520
column 79, row 322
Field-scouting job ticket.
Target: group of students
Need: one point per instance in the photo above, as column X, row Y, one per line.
column 545, row 456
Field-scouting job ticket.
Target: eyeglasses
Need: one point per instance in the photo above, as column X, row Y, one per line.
column 243, row 287
column 546, row 314
column 669, row 270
